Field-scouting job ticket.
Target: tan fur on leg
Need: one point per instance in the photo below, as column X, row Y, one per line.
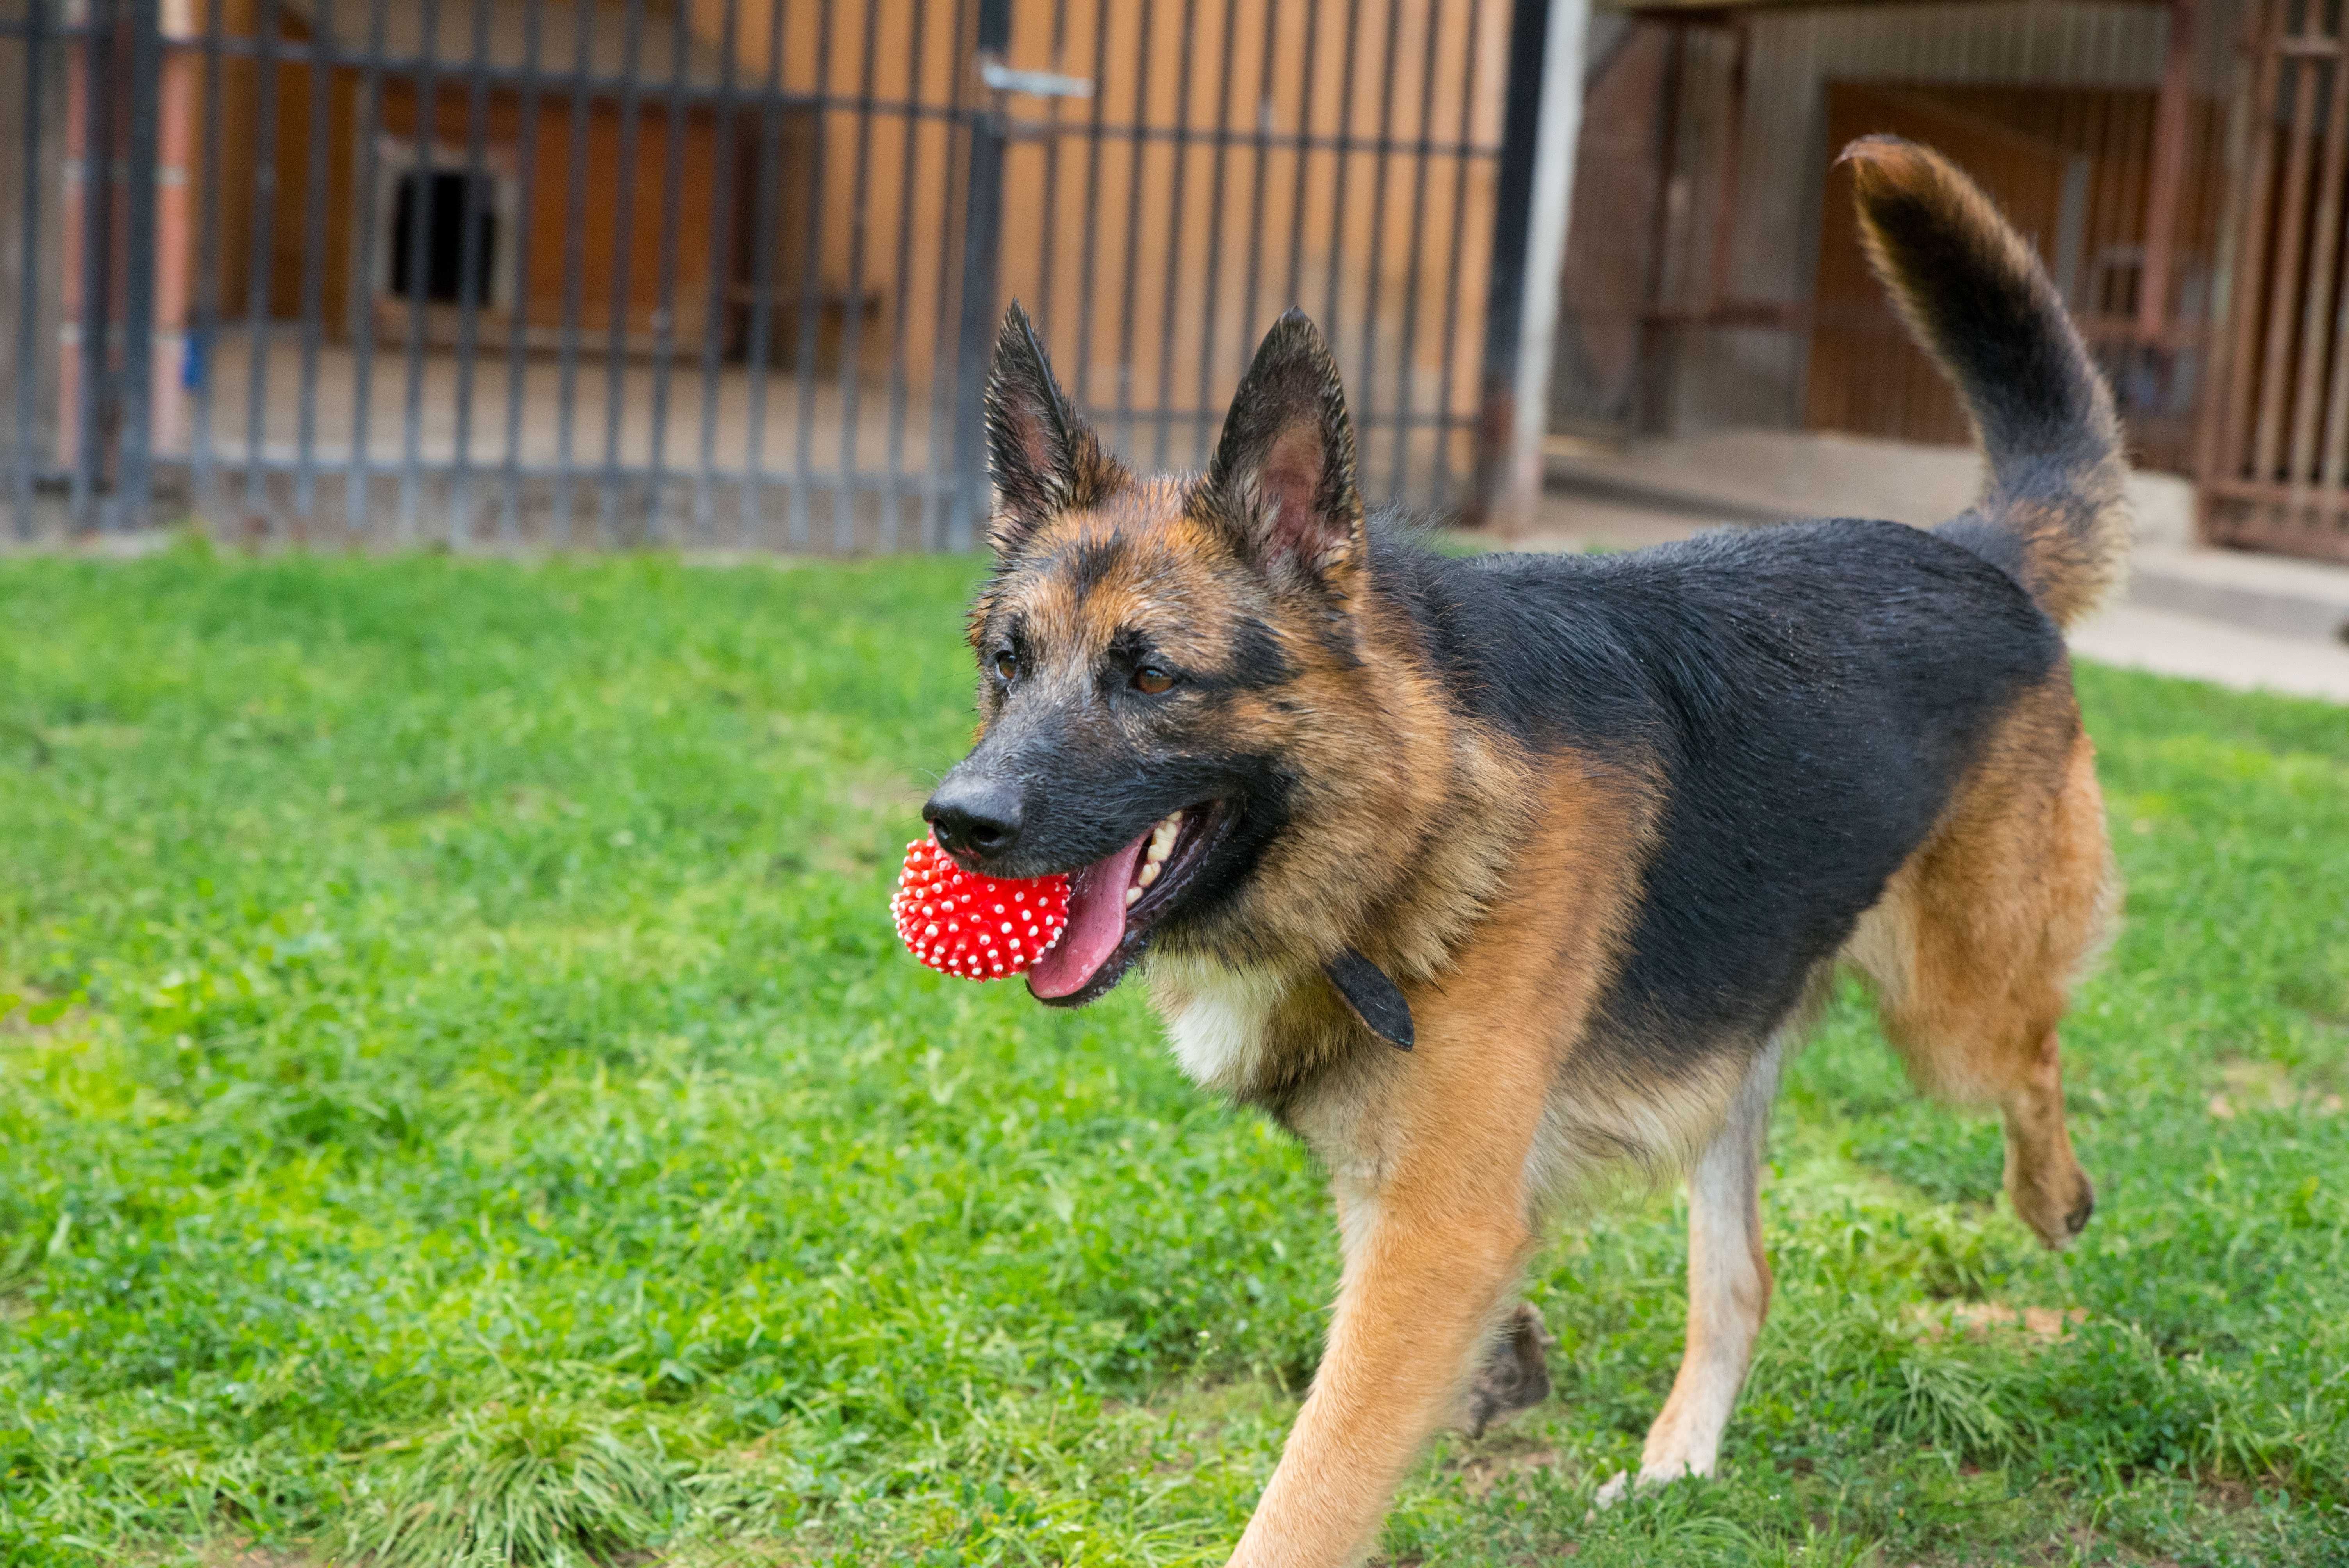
column 1728, row 1288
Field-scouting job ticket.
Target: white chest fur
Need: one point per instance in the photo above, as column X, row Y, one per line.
column 1217, row 1018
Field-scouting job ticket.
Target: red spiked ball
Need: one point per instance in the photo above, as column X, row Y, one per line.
column 979, row 927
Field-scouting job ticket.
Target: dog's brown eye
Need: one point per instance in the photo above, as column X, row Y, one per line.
column 1007, row 665
column 1150, row 678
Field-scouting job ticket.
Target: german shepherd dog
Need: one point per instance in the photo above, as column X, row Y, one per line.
column 1586, row 835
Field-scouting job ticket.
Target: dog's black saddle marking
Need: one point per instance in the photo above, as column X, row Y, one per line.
column 1376, row 1000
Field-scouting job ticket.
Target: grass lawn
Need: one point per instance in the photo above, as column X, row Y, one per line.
column 461, row 1099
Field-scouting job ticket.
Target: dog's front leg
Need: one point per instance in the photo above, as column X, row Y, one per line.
column 1433, row 1247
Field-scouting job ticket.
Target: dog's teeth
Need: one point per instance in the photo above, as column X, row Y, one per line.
column 1162, row 838
column 1132, row 893
column 1149, row 874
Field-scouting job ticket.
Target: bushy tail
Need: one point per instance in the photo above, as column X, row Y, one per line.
column 2052, row 513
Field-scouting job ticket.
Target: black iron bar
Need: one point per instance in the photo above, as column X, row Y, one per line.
column 1398, row 486
column 427, row 121
column 624, row 229
column 1207, row 323
column 892, row 503
column 665, row 318
column 976, row 325
column 852, row 324
column 1102, row 11
column 1048, row 232
column 1366, row 374
column 92, row 402
column 1294, row 294
column 721, row 271
column 763, row 277
column 1132, row 236
column 1457, row 271
column 940, row 481
column 1337, row 275
column 26, row 466
column 357, row 487
column 810, row 273
column 574, row 284
column 469, row 272
column 518, row 315
column 313, row 262
column 1248, row 316
column 259, row 245
column 1174, row 263
column 135, row 488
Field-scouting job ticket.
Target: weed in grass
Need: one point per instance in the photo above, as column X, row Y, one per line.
column 458, row 1092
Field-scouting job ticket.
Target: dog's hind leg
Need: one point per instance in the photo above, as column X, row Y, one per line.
column 1975, row 943
column 1728, row 1289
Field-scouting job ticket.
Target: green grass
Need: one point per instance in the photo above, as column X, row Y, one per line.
column 459, row 1101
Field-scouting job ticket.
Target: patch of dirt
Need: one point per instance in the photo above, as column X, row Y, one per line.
column 1982, row 1319
column 2253, row 1086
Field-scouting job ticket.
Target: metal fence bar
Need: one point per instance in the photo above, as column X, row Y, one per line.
column 1366, row 379
column 257, row 266
column 721, row 276
column 762, row 286
column 1457, row 271
column 574, row 286
column 810, row 262
column 1250, row 316
column 1102, row 11
column 1207, row 335
column 1172, row 289
column 892, row 501
column 470, row 259
column 939, row 472
column 23, row 465
column 852, row 324
column 518, row 324
column 665, row 319
column 1329, row 318
column 1398, row 483
column 313, row 267
column 420, row 197
column 1132, row 234
column 1052, row 206
column 94, row 401
column 1294, row 293
column 357, row 486
column 615, row 366
column 982, row 235
column 145, row 61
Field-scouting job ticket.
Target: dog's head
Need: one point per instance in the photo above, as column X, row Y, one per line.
column 1141, row 648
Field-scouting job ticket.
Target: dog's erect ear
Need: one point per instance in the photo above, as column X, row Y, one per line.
column 1046, row 460
column 1284, row 470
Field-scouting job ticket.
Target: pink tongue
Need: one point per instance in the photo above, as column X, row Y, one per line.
column 1096, row 925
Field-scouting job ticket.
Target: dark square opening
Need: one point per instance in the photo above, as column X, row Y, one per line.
column 444, row 210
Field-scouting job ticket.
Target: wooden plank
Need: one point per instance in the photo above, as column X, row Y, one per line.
column 2284, row 273
column 2173, row 114
column 2232, row 424
column 2316, row 333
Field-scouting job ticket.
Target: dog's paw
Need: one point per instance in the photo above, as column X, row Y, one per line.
column 1514, row 1374
column 1622, row 1483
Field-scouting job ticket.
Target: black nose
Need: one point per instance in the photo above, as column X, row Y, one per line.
column 978, row 818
